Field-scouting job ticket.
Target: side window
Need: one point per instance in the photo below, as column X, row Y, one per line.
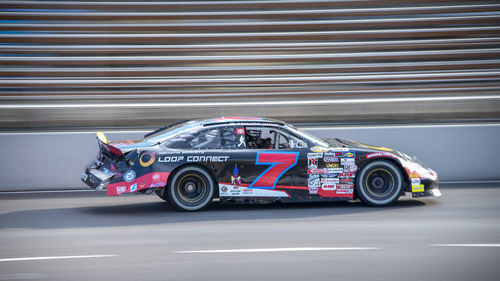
column 206, row 139
column 287, row 141
column 260, row 138
column 233, row 137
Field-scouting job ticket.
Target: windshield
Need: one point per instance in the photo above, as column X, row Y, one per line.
column 315, row 140
column 169, row 132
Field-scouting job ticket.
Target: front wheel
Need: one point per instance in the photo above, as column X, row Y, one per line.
column 379, row 183
column 191, row 189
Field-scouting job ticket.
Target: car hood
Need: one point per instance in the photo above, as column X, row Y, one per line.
column 357, row 145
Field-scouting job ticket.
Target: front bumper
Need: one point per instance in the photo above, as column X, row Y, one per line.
column 427, row 188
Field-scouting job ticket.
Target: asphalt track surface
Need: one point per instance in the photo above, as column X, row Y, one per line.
column 88, row 236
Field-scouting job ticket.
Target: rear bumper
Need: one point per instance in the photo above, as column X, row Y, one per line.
column 96, row 178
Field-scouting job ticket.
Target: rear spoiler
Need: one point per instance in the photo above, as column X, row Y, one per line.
column 104, row 145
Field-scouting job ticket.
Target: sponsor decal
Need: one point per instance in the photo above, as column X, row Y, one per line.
column 327, row 186
column 347, row 161
column 169, row 159
column 330, row 180
column 314, row 155
column 235, row 178
column 313, row 190
column 335, row 170
column 414, row 175
column 346, row 181
column 347, row 175
column 417, row 188
column 350, row 168
column 380, row 154
column 345, row 191
column 121, row 189
column 415, row 181
column 133, row 187
column 312, row 163
column 129, row 176
column 329, row 175
column 106, row 171
column 345, row 186
column 192, row 158
column 313, row 177
column 333, row 154
column 156, row 177
column 318, row 171
column 319, row 149
column 146, row 159
column 242, row 142
column 332, row 165
column 349, row 154
column 240, row 131
column 330, row 159
column 228, row 190
column 314, row 183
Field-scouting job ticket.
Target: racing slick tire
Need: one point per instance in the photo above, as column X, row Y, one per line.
column 191, row 189
column 379, row 183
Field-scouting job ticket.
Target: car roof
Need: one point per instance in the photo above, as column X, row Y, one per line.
column 235, row 120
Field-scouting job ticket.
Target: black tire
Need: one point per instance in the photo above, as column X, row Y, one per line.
column 379, row 183
column 190, row 189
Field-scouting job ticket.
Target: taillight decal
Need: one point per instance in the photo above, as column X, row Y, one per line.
column 279, row 162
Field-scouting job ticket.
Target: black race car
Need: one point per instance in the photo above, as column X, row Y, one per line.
column 241, row 159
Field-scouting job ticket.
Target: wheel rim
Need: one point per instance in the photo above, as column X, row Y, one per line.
column 380, row 182
column 191, row 188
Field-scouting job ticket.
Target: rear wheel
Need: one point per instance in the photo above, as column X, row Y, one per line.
column 191, row 189
column 379, row 183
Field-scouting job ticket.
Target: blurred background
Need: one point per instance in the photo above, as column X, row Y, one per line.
column 91, row 64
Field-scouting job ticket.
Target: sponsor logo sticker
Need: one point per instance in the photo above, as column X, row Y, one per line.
column 417, row 188
column 312, row 163
column 347, row 161
column 318, row 171
column 240, row 131
column 314, row 155
column 133, row 187
column 327, row 186
column 313, row 190
column 350, row 154
column 129, row 176
column 121, row 189
column 319, row 149
column 146, row 159
column 330, row 159
column 380, row 154
column 332, row 165
column 335, row 170
column 330, row 180
column 350, row 168
column 345, row 191
column 314, row 183
column 347, row 175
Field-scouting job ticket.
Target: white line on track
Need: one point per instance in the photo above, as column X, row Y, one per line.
column 56, row 258
column 465, row 245
column 263, row 250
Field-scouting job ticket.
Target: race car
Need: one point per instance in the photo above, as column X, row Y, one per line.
column 245, row 159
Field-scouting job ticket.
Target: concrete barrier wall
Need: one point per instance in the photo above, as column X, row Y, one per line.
column 38, row 161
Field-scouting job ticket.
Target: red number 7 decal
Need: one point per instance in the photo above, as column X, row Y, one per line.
column 280, row 163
